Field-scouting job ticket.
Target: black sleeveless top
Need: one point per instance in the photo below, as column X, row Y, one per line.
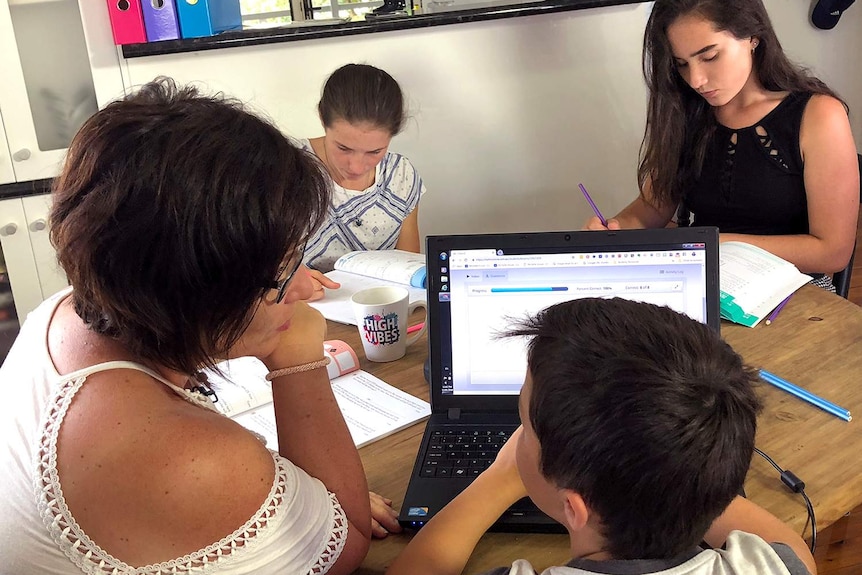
column 751, row 181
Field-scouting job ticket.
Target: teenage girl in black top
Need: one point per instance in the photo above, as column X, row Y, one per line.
column 742, row 138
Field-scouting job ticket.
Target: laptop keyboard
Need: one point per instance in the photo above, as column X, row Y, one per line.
column 463, row 452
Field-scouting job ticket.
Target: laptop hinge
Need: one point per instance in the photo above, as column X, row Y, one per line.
column 454, row 413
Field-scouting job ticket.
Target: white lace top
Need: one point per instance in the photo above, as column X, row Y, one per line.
column 299, row 528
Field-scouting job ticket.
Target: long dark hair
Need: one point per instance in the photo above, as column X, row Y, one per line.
column 173, row 214
column 680, row 122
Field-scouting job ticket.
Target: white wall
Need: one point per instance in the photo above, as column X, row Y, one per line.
column 508, row 115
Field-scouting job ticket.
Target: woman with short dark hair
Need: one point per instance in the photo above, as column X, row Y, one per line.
column 180, row 220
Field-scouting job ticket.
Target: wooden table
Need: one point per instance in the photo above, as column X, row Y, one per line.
column 816, row 343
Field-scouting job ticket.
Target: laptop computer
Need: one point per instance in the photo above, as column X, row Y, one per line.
column 477, row 284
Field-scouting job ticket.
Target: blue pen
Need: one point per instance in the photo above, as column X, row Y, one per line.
column 593, row 205
column 805, row 395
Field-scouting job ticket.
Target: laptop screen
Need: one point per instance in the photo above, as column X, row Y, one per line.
column 479, row 286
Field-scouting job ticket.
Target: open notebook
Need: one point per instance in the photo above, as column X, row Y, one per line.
column 477, row 283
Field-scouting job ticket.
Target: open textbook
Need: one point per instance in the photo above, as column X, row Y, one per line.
column 392, row 265
column 371, row 407
column 357, row 271
column 753, row 282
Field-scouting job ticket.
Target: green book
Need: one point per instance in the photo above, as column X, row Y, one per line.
column 730, row 310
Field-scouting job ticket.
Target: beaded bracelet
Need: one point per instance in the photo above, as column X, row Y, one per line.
column 297, row 368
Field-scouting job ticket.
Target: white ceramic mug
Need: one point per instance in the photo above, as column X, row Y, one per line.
column 381, row 316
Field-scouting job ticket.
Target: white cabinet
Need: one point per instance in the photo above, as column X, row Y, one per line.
column 30, row 258
column 6, row 174
column 48, row 72
column 51, row 277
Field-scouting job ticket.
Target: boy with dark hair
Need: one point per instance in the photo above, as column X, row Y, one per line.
column 638, row 428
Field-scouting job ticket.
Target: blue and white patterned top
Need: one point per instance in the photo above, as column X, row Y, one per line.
column 369, row 219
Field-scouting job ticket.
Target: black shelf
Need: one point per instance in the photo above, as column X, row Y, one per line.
column 24, row 189
column 406, row 22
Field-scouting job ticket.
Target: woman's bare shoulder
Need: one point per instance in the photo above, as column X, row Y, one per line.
column 150, row 476
column 825, row 132
column 823, row 108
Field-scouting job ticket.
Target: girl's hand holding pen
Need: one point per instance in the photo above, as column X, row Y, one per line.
column 595, row 224
column 598, row 222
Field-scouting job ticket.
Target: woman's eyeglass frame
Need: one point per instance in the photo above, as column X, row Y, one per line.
column 281, row 286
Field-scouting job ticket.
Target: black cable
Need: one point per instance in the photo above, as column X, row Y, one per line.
column 796, row 485
column 770, row 460
column 813, row 524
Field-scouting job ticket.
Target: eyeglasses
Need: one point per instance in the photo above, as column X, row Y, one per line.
column 282, row 285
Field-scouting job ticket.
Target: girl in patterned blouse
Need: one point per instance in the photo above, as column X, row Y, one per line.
column 375, row 199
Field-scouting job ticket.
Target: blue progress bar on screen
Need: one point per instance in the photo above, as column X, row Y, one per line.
column 522, row 289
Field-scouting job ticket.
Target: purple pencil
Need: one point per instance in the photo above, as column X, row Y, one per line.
column 593, row 205
column 771, row 317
